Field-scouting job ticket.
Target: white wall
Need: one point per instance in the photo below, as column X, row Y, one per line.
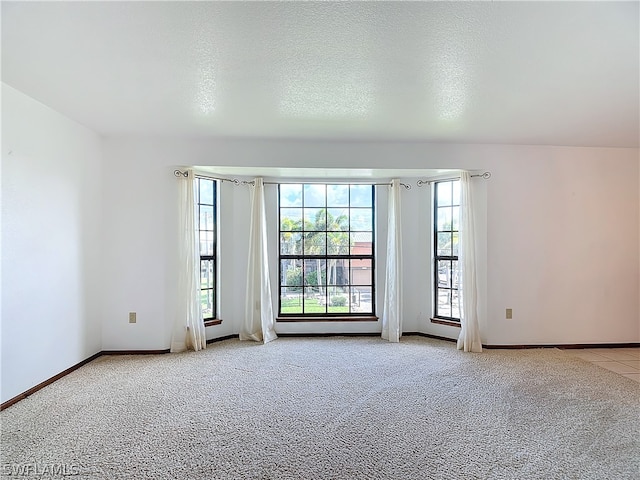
column 559, row 237
column 139, row 232
column 51, row 243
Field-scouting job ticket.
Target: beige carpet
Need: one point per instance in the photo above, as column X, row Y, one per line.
column 330, row 408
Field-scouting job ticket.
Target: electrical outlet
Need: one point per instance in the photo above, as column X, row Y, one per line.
column 132, row 317
column 509, row 313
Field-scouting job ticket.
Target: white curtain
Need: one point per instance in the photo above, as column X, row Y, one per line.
column 189, row 330
column 258, row 322
column 392, row 312
column 469, row 339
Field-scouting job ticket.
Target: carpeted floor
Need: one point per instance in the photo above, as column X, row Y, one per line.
column 330, row 408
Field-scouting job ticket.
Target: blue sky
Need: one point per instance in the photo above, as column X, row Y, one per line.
column 316, row 195
column 334, row 196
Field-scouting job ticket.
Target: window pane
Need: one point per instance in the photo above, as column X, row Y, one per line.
column 315, row 301
column 291, row 272
column 204, row 274
column 290, row 243
column 361, row 272
column 456, row 241
column 211, row 242
column 206, row 298
column 337, row 195
column 455, row 218
column 361, row 195
column 315, row 274
column 315, row 243
column 444, row 244
column 290, row 300
column 337, row 243
column 455, row 304
column 337, row 219
column 338, row 271
column 338, row 300
column 444, row 302
column 291, row 195
column 206, row 217
column 361, row 300
column 444, row 273
column 456, row 192
column 290, row 219
column 443, row 192
column 212, row 273
column 444, row 218
column 361, row 243
column 455, row 275
column 315, row 196
column 206, row 191
column 206, row 243
column 361, row 219
column 315, row 219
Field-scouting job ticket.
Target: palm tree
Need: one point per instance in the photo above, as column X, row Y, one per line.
column 337, row 241
column 314, row 243
column 291, row 244
column 290, row 230
column 327, row 234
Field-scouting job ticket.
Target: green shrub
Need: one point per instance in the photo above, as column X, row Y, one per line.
column 339, row 301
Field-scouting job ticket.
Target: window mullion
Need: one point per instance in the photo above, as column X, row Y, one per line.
column 207, row 245
column 444, row 270
column 325, row 280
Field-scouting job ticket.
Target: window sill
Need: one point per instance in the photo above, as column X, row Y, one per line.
column 451, row 323
column 211, row 323
column 364, row 318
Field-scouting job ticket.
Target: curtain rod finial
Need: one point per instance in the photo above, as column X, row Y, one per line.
column 178, row 173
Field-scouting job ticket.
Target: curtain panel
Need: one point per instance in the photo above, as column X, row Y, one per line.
column 189, row 331
column 392, row 310
column 469, row 338
column 259, row 323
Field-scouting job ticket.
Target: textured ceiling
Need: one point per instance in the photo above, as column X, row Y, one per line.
column 553, row 73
